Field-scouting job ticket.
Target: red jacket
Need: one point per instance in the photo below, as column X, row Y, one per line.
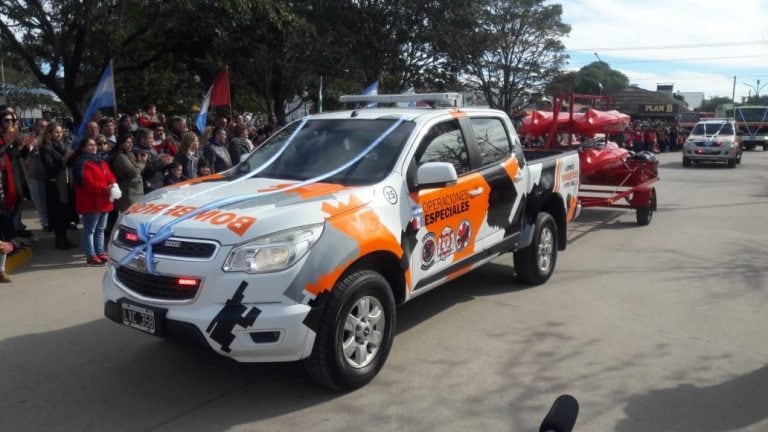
column 92, row 194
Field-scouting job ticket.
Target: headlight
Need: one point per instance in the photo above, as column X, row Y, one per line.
column 689, row 142
column 726, row 144
column 274, row 252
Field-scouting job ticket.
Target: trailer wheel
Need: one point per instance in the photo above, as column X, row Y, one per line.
column 644, row 214
column 355, row 332
column 686, row 162
column 535, row 264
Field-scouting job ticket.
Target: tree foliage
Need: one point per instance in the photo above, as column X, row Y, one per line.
column 164, row 53
column 595, row 78
column 511, row 51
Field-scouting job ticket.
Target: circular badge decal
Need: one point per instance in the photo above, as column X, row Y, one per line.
column 428, row 249
column 445, row 243
column 463, row 234
column 390, row 195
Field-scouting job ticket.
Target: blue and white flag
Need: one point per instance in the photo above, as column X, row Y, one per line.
column 371, row 90
column 410, row 91
column 202, row 118
column 103, row 96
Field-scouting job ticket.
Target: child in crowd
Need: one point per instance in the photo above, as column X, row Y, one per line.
column 203, row 168
column 174, row 174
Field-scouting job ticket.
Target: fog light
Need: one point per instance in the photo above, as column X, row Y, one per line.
column 265, row 337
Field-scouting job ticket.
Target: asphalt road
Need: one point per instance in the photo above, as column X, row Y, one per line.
column 657, row 328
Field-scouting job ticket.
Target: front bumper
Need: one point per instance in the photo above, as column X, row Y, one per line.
column 710, row 154
column 244, row 317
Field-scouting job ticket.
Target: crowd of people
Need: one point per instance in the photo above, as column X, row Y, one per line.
column 655, row 136
column 90, row 179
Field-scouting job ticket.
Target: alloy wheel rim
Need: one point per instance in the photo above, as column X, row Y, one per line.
column 545, row 250
column 363, row 332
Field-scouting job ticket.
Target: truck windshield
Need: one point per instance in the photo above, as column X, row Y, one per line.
column 712, row 128
column 322, row 146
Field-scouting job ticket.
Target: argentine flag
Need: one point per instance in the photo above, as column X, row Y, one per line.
column 103, row 96
column 371, row 90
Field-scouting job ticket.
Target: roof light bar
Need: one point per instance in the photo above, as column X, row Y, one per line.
column 450, row 99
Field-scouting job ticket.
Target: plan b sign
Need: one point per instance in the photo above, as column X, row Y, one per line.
column 657, row 109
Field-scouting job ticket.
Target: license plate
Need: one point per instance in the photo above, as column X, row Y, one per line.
column 139, row 318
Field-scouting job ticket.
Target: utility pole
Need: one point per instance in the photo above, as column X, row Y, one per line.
column 733, row 95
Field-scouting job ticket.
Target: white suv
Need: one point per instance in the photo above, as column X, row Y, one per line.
column 713, row 140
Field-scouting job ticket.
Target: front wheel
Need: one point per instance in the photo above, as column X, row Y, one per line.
column 686, row 162
column 355, row 332
column 535, row 263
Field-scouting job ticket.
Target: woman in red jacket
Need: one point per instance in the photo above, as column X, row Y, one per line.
column 93, row 180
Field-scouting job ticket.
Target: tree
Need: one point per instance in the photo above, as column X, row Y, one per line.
column 511, row 51
column 596, row 78
column 66, row 44
column 711, row 104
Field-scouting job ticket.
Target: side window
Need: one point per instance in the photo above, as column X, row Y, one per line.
column 492, row 139
column 444, row 143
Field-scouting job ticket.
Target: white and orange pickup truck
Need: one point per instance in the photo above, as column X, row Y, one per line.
column 303, row 250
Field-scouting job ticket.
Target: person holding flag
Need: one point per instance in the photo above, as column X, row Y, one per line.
column 103, row 96
column 217, row 95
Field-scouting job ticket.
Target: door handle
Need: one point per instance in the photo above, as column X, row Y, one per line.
column 476, row 192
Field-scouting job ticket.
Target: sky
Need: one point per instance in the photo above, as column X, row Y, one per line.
column 696, row 45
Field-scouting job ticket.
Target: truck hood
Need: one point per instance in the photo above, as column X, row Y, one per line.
column 267, row 206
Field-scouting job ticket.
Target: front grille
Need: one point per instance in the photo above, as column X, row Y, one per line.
column 170, row 247
column 155, row 286
column 706, row 144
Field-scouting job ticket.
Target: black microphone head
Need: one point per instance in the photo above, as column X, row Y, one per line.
column 562, row 416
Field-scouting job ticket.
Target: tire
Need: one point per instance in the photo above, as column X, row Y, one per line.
column 731, row 163
column 535, row 264
column 355, row 333
column 738, row 156
column 686, row 162
column 644, row 214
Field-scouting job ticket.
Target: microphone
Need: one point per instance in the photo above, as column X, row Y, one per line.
column 562, row 416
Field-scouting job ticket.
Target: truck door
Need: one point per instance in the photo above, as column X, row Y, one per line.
column 450, row 216
column 501, row 163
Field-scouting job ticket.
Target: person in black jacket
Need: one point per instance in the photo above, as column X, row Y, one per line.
column 216, row 152
column 57, row 196
column 155, row 165
column 240, row 144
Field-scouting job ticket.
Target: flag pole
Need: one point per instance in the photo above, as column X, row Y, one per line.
column 114, row 95
column 229, row 95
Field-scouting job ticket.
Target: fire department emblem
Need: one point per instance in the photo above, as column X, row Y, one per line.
column 445, row 243
column 463, row 234
column 428, row 249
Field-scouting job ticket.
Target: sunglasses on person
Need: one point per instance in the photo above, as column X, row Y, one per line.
column 8, row 119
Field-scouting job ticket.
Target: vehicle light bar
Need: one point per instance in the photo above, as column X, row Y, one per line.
column 450, row 99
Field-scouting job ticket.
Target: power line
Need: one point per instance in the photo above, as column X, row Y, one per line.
column 677, row 46
column 683, row 59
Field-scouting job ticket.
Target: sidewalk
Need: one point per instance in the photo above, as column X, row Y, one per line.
column 41, row 255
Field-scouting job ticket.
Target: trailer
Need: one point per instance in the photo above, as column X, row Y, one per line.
column 611, row 176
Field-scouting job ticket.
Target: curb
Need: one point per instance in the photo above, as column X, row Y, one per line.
column 17, row 259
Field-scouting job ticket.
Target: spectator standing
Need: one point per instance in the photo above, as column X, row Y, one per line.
column 107, row 128
column 158, row 136
column 189, row 154
column 173, row 140
column 216, row 152
column 127, row 125
column 148, row 116
column 57, row 187
column 174, row 174
column 127, row 171
column 203, row 168
column 11, row 192
column 155, row 165
column 93, row 180
column 35, row 171
column 239, row 144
